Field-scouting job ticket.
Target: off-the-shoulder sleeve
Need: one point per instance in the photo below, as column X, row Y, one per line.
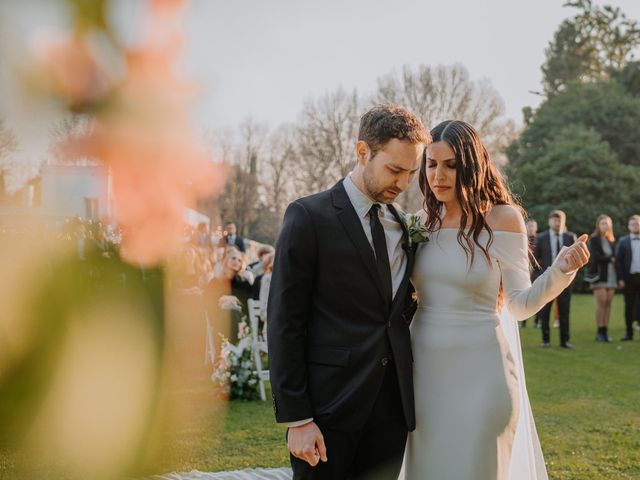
column 522, row 298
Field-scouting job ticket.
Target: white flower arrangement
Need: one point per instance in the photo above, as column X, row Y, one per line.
column 234, row 373
column 418, row 232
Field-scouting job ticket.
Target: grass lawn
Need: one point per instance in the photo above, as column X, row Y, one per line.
column 585, row 401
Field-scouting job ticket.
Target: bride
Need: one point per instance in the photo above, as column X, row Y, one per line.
column 473, row 416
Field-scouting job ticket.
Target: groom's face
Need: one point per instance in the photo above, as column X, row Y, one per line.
column 390, row 171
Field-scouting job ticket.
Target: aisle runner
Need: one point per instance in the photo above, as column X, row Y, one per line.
column 255, row 474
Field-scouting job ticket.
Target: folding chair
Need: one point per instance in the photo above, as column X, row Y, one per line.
column 259, row 345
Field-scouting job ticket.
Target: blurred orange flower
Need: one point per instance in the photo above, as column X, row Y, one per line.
column 144, row 134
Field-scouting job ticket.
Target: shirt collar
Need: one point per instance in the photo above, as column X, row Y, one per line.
column 361, row 202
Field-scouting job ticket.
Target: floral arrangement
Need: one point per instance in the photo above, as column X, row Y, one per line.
column 418, row 232
column 235, row 373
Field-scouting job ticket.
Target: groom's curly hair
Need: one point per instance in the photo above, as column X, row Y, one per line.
column 387, row 121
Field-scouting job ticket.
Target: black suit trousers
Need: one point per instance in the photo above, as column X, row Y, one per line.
column 373, row 452
column 631, row 292
column 564, row 303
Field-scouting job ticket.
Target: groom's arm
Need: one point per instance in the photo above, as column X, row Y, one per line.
column 289, row 307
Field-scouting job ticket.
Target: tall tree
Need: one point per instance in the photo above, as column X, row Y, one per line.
column 67, row 129
column 580, row 173
column 448, row 92
column 589, row 46
column 325, row 140
column 629, row 78
column 8, row 144
column 603, row 106
column 239, row 201
column 280, row 162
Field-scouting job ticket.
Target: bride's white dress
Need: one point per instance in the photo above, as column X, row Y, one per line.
column 469, row 385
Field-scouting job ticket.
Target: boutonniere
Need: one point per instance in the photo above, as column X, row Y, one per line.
column 417, row 231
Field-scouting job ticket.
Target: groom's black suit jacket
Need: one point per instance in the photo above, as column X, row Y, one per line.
column 331, row 333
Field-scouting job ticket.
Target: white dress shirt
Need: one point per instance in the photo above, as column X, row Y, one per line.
column 392, row 230
column 553, row 236
column 635, row 254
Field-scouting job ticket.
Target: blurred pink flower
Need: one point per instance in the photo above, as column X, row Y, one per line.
column 145, row 136
column 68, row 68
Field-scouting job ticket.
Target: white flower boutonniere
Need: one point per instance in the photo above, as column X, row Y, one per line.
column 418, row 233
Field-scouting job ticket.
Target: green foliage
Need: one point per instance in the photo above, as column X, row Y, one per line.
column 579, row 173
column 588, row 46
column 629, row 78
column 605, row 107
column 235, row 373
column 584, row 402
column 90, row 13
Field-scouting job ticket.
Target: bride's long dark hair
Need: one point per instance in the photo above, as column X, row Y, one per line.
column 479, row 186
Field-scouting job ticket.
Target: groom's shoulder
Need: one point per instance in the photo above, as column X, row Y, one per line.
column 316, row 201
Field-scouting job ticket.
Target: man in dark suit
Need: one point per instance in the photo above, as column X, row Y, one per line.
column 548, row 245
column 231, row 237
column 628, row 272
column 339, row 310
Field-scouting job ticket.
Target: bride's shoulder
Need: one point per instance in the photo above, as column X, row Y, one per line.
column 506, row 218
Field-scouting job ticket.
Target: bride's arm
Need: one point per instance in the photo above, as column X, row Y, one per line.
column 522, row 298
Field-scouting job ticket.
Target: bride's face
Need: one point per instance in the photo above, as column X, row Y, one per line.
column 441, row 171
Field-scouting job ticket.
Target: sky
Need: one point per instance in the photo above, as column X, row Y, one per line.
column 263, row 58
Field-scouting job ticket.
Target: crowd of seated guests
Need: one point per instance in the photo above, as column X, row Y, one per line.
column 214, row 269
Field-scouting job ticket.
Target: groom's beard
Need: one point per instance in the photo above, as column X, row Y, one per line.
column 378, row 192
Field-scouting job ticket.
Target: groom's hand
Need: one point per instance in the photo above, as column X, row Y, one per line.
column 307, row 443
column 574, row 257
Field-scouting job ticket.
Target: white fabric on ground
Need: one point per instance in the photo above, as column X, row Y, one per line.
column 253, row 474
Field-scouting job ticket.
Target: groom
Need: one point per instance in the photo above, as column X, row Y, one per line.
column 339, row 310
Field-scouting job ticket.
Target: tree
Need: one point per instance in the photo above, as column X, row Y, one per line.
column 325, row 140
column 605, row 107
column 240, row 199
column 581, row 174
column 589, row 46
column 629, row 78
column 8, row 144
column 279, row 162
column 67, row 129
column 8, row 141
column 441, row 93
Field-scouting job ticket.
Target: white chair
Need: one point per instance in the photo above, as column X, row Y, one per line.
column 210, row 346
column 259, row 345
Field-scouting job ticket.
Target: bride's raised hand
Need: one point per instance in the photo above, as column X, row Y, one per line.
column 574, row 257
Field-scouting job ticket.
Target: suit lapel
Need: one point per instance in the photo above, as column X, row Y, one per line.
column 353, row 226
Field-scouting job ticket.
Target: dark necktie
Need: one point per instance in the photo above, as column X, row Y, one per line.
column 380, row 248
column 557, row 244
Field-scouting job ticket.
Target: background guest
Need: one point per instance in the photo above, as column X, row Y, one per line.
column 628, row 271
column 228, row 287
column 258, row 268
column 601, row 273
column 548, row 245
column 231, row 238
column 532, row 232
column 202, row 236
column 265, row 284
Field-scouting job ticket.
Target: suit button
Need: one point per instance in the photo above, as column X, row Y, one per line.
column 384, row 361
